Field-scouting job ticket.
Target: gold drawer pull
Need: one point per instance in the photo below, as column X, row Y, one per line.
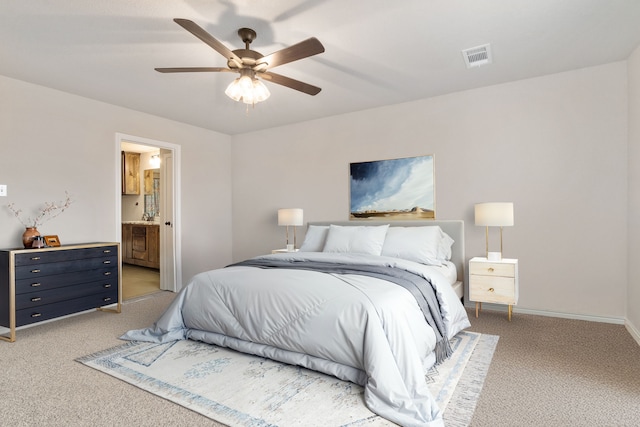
column 36, row 299
column 107, row 299
column 35, row 258
column 106, row 262
column 491, row 289
column 36, row 315
column 106, row 251
column 490, row 269
column 107, row 285
column 107, row 273
column 35, row 285
column 35, row 271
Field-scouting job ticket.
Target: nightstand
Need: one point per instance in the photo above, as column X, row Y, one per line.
column 493, row 282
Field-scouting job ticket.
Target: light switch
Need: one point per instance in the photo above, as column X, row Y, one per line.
column 3, row 190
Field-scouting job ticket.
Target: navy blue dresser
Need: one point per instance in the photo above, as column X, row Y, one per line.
column 42, row 284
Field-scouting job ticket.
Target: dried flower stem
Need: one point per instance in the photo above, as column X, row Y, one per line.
column 49, row 211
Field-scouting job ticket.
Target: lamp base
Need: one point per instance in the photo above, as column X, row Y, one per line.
column 494, row 256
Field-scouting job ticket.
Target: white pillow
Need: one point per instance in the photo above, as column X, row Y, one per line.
column 315, row 238
column 444, row 250
column 418, row 244
column 356, row 239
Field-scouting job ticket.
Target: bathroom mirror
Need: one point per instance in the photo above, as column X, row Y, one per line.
column 152, row 192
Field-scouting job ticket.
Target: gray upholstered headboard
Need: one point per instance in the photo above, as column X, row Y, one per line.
column 454, row 228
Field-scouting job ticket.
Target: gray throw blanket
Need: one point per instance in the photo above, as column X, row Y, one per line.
column 420, row 287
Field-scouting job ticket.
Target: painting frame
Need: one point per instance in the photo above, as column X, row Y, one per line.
column 393, row 189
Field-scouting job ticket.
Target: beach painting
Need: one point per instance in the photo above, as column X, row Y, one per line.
column 396, row 189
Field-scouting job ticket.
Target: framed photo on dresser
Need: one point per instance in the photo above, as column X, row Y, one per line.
column 52, row 241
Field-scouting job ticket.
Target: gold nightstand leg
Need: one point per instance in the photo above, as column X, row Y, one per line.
column 478, row 308
column 510, row 311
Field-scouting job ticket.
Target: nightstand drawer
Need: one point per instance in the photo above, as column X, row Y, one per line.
column 501, row 290
column 492, row 269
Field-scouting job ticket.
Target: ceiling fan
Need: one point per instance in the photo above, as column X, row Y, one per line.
column 251, row 64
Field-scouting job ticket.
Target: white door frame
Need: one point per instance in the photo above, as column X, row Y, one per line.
column 121, row 137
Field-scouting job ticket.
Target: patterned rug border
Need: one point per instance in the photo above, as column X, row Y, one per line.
column 458, row 412
column 462, row 404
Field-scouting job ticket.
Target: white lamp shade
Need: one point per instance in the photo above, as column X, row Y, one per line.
column 494, row 214
column 290, row 217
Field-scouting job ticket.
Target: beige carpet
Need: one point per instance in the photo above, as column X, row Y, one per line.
column 545, row 372
column 558, row 372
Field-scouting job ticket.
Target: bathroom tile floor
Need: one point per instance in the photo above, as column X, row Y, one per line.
column 138, row 281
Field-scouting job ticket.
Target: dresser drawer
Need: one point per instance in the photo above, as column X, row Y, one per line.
column 58, row 268
column 45, row 256
column 32, row 284
column 492, row 269
column 42, row 284
column 37, row 314
column 42, row 297
column 501, row 290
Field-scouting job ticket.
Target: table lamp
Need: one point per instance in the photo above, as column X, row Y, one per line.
column 494, row 214
column 290, row 217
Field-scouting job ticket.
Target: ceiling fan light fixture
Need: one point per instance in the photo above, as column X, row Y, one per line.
column 260, row 91
column 247, row 88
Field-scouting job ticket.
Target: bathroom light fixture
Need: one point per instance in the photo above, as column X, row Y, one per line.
column 247, row 88
column 494, row 214
column 290, row 217
column 154, row 161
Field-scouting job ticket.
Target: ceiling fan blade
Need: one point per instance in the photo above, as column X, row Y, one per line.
column 200, row 33
column 194, row 70
column 290, row 83
column 304, row 49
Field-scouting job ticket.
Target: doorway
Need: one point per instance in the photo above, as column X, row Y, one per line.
column 148, row 223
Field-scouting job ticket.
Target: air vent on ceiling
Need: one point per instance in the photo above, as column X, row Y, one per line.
column 477, row 56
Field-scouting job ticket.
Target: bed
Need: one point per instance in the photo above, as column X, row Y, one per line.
column 372, row 303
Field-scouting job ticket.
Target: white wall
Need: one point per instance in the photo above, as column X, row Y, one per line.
column 53, row 141
column 633, row 290
column 556, row 146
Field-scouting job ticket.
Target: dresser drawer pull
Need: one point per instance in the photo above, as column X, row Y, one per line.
column 106, row 262
column 107, row 299
column 491, row 290
column 36, row 315
column 107, row 273
column 107, row 285
column 106, row 251
column 35, row 271
column 490, row 269
column 35, row 285
column 36, row 299
column 35, row 258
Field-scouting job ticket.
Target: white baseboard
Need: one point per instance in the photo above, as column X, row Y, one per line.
column 574, row 316
column 635, row 333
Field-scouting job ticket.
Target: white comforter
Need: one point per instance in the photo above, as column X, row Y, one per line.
column 357, row 328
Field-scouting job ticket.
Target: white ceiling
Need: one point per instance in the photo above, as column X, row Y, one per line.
column 378, row 52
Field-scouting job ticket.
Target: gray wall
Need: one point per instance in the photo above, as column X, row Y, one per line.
column 556, row 146
column 54, row 141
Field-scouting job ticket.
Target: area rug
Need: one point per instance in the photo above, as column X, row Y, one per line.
column 243, row 390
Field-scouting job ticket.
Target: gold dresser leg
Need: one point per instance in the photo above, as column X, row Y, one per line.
column 510, row 311
column 478, row 308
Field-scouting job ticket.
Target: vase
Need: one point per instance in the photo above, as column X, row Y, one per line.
column 28, row 235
